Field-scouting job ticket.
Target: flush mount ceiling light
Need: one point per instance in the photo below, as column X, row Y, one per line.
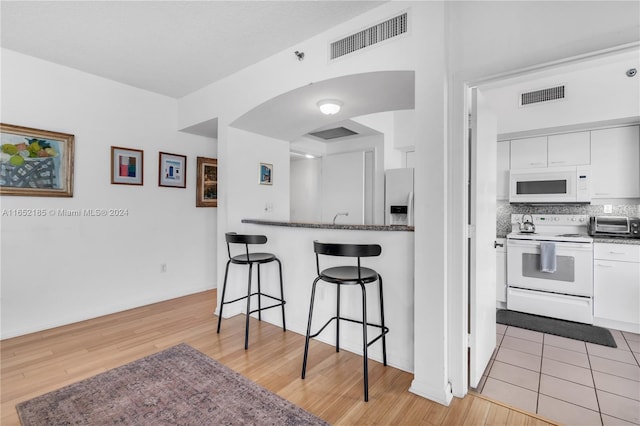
column 330, row 106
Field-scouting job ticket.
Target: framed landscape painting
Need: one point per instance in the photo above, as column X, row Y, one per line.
column 127, row 166
column 35, row 162
column 207, row 182
column 172, row 170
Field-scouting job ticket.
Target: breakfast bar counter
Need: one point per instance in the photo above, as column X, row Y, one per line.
column 331, row 226
column 292, row 243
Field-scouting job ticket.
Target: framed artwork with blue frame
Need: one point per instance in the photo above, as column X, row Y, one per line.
column 172, row 170
column 127, row 166
column 266, row 174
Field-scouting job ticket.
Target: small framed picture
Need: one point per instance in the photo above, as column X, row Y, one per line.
column 172, row 170
column 207, row 182
column 266, row 174
column 127, row 166
column 35, row 162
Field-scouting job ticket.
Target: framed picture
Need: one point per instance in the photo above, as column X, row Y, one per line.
column 172, row 170
column 266, row 174
column 127, row 166
column 35, row 162
column 207, row 182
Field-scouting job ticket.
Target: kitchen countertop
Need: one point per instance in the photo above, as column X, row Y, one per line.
column 330, row 226
column 631, row 241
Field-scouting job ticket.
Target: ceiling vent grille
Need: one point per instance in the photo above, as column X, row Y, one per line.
column 543, row 95
column 370, row 36
column 337, row 132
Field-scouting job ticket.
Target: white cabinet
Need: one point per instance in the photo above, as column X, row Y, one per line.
column 615, row 163
column 502, row 187
column 529, row 153
column 501, row 273
column 616, row 286
column 569, row 149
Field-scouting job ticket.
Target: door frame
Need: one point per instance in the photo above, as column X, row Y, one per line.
column 458, row 200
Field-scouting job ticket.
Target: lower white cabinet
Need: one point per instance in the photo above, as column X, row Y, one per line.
column 501, row 273
column 616, row 285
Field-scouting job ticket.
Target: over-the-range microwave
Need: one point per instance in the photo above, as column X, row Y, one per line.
column 550, row 185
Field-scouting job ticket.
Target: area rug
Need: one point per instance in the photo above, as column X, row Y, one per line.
column 179, row 385
column 569, row 329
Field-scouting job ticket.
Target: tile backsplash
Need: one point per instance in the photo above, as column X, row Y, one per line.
column 504, row 210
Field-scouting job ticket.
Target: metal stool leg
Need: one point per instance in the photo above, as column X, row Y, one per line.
column 246, row 327
column 306, row 341
column 338, row 318
column 384, row 334
column 224, row 288
column 259, row 296
column 365, row 345
column 284, row 324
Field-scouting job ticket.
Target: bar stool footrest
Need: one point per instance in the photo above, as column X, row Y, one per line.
column 385, row 330
column 254, row 294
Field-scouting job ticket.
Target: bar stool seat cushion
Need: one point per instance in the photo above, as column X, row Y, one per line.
column 348, row 275
column 254, row 258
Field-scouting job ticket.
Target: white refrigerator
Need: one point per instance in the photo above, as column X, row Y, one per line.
column 398, row 197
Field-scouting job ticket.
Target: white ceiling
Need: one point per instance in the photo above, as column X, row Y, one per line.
column 296, row 113
column 168, row 47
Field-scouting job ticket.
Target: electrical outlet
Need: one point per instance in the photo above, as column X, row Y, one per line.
column 163, row 268
column 608, row 208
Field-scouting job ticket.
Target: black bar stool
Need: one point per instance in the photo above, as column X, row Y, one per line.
column 349, row 275
column 249, row 259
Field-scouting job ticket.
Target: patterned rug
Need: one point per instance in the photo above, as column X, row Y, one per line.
column 179, row 385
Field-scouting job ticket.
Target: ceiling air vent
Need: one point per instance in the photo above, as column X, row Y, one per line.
column 370, row 36
column 543, row 95
column 337, row 132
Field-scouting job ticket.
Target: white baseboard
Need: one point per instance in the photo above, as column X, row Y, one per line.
column 441, row 396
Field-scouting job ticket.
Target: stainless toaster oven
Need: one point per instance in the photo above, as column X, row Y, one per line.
column 614, row 226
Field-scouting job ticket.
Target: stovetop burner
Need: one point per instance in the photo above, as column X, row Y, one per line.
column 553, row 227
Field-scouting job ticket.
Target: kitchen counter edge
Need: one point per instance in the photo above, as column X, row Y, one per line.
column 630, row 241
column 330, row 226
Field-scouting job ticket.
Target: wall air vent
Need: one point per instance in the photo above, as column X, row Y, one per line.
column 543, row 95
column 370, row 36
column 337, row 132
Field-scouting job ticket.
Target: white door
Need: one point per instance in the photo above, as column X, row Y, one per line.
column 482, row 286
column 343, row 188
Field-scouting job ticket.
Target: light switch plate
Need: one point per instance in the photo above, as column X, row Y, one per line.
column 608, row 208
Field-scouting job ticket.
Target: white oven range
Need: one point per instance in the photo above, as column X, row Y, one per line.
column 550, row 271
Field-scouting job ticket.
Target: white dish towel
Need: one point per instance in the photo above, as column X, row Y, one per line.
column 547, row 256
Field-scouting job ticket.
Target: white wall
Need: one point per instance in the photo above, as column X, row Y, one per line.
column 305, row 189
column 58, row 270
column 602, row 92
column 385, row 123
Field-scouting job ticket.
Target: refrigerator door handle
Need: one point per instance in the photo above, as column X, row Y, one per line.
column 410, row 209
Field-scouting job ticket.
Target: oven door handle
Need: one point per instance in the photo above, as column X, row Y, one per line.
column 559, row 244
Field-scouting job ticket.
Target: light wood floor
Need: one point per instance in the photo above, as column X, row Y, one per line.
column 41, row 362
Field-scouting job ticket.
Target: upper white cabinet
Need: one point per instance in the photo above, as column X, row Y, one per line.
column 529, row 153
column 615, row 162
column 614, row 156
column 569, row 149
column 502, row 187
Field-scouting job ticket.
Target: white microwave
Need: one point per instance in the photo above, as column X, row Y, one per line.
column 550, row 185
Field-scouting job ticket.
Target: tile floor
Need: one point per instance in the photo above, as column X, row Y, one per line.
column 568, row 381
